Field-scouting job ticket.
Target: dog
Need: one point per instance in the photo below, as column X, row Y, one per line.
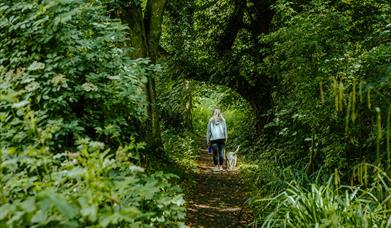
column 232, row 159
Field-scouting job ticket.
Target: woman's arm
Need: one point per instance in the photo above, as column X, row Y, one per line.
column 208, row 134
column 225, row 132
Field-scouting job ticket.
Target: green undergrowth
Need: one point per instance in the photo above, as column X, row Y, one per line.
column 284, row 197
column 182, row 149
column 181, row 153
column 329, row 204
column 71, row 109
column 90, row 187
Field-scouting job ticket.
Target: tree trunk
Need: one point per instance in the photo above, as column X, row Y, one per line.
column 144, row 34
column 154, row 136
column 258, row 96
column 260, row 104
column 188, row 120
column 259, row 110
column 133, row 17
column 153, row 19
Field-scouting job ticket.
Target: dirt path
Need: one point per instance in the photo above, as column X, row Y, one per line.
column 217, row 199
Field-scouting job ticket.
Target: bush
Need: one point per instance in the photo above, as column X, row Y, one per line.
column 67, row 60
column 85, row 188
column 69, row 96
column 181, row 149
column 89, row 186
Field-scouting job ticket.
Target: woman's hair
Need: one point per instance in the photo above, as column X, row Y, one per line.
column 217, row 116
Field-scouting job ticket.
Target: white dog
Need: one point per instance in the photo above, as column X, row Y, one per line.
column 232, row 159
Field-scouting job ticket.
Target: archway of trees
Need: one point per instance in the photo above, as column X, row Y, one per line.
column 104, row 106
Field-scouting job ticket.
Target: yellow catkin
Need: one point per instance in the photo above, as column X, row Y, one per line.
column 365, row 174
column 360, row 174
column 335, row 90
column 388, row 132
column 354, row 114
column 340, row 99
column 369, row 98
column 347, row 117
column 336, row 177
column 379, row 135
column 360, row 91
column 321, row 92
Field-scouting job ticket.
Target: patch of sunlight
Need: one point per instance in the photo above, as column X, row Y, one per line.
column 221, row 209
column 244, row 166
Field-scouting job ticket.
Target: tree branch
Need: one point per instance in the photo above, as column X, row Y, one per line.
column 153, row 19
column 235, row 23
column 132, row 15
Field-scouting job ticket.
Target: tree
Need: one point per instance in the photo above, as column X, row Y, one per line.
column 331, row 64
column 218, row 42
column 145, row 25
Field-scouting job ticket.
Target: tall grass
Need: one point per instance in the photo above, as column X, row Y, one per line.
column 330, row 205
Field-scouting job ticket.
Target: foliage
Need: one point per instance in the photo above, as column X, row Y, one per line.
column 216, row 43
column 313, row 76
column 87, row 188
column 235, row 110
column 331, row 90
column 71, row 104
column 330, row 205
column 66, row 59
column 175, row 102
column 196, row 34
column 323, row 55
column 181, row 149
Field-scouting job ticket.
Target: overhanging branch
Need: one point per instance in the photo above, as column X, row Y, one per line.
column 235, row 23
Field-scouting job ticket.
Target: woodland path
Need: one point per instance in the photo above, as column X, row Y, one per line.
column 217, row 199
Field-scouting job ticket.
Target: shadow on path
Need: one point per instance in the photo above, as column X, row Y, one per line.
column 218, row 198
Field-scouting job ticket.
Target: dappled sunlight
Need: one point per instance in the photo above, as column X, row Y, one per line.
column 218, row 200
column 217, row 209
column 110, row 112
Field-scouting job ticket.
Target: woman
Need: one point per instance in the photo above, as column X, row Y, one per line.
column 217, row 137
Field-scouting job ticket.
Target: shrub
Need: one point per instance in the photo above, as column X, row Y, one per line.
column 85, row 188
column 67, row 60
column 68, row 92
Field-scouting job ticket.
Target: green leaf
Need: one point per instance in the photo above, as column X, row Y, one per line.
column 20, row 104
column 5, row 210
column 89, row 211
column 29, row 205
column 36, row 66
column 66, row 209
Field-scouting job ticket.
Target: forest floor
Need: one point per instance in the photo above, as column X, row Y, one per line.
column 218, row 198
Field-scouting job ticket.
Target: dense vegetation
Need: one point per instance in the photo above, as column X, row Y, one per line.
column 71, row 103
column 101, row 100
